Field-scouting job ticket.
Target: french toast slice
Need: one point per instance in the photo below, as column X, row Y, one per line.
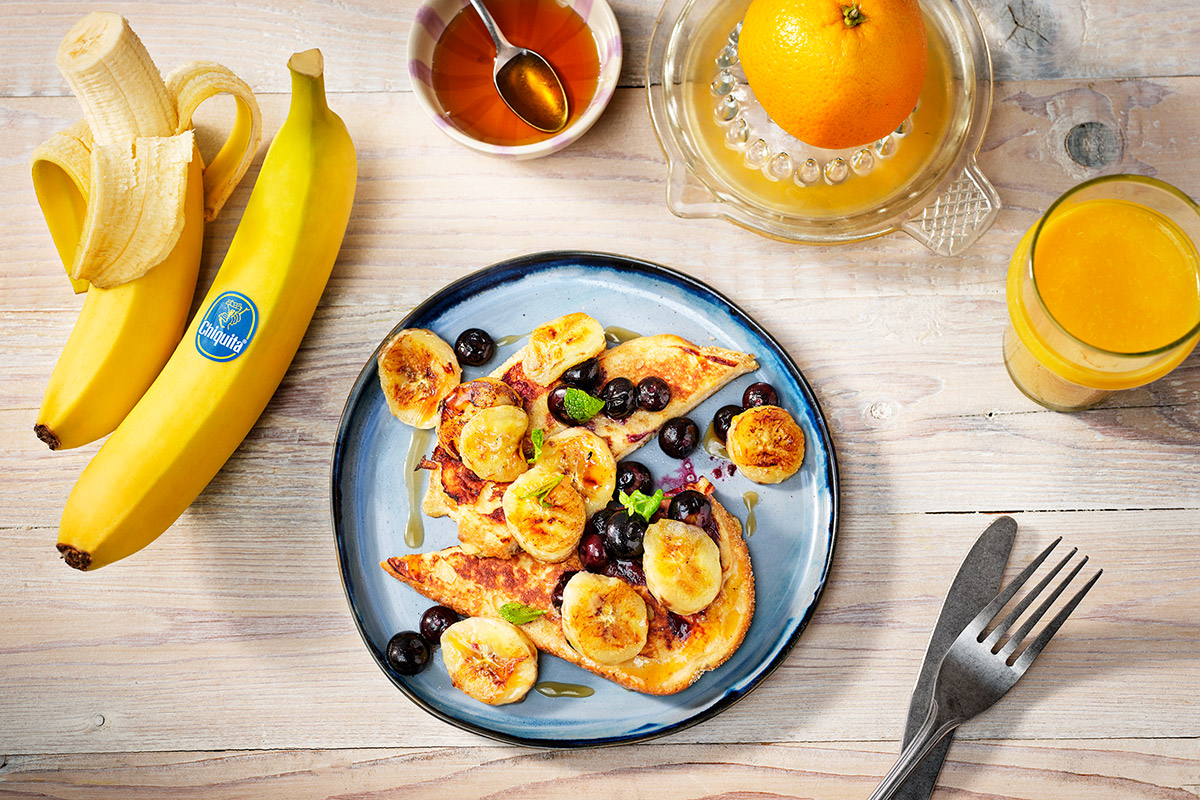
column 693, row 374
column 679, row 649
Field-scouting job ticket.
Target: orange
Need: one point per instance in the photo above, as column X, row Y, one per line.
column 835, row 73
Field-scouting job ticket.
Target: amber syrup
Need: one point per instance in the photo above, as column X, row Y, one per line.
column 464, row 56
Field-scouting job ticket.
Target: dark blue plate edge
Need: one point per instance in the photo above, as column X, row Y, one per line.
column 525, row 265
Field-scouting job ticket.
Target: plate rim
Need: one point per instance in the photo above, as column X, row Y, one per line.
column 583, row 257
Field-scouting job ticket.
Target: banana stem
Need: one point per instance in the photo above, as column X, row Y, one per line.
column 308, row 83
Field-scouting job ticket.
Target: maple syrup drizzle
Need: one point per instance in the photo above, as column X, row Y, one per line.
column 750, row 498
column 556, row 689
column 414, row 531
column 615, row 335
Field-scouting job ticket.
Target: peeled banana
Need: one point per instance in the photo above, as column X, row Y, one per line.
column 489, row 659
column 239, row 345
column 545, row 514
column 417, row 369
column 586, row 460
column 490, row 443
column 766, row 444
column 604, row 618
column 123, row 193
column 682, row 565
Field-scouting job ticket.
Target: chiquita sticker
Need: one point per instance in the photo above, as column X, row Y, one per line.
column 227, row 327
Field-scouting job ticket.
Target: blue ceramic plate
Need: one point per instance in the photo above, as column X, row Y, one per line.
column 791, row 549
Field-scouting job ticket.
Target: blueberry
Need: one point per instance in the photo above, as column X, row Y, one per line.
column 722, row 419
column 474, row 347
column 435, row 621
column 691, row 507
column 620, row 398
column 653, row 393
column 678, row 437
column 408, row 653
column 585, row 375
column 632, row 476
column 760, row 394
column 624, row 534
column 556, row 596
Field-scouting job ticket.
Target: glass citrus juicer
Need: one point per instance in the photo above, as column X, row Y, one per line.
column 727, row 159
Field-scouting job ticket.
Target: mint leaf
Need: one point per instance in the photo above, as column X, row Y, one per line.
column 538, row 438
column 519, row 613
column 581, row 406
column 642, row 504
column 541, row 492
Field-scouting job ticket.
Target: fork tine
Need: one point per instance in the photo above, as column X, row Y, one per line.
column 990, row 611
column 1031, row 652
column 1015, row 640
column 1029, row 597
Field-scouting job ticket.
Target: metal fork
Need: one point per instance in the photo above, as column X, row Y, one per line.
column 972, row 677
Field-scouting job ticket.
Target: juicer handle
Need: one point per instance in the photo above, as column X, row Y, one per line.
column 687, row 197
column 959, row 215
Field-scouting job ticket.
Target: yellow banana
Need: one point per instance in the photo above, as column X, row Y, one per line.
column 238, row 347
column 127, row 187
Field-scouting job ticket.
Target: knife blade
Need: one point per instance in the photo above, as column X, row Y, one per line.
column 977, row 582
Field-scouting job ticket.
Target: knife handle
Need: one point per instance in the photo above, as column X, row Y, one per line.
column 936, row 727
column 921, row 783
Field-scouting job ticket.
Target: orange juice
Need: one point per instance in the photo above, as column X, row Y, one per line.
column 1103, row 294
column 1118, row 276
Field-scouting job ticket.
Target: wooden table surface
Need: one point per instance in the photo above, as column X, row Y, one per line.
column 223, row 660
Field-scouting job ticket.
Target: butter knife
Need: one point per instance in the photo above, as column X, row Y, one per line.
column 977, row 582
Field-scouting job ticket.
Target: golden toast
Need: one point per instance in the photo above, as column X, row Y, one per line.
column 678, row 649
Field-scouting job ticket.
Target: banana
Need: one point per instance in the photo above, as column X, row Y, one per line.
column 560, row 344
column 490, row 443
column 113, row 161
column 465, row 401
column 238, row 347
column 417, row 370
column 604, row 618
column 584, row 458
column 491, row 660
column 682, row 565
column 545, row 514
column 766, row 444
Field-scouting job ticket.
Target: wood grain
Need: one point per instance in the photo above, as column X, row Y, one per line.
column 365, row 41
column 1009, row 770
column 228, row 636
column 223, row 662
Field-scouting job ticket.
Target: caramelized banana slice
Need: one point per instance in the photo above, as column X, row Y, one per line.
column 604, row 618
column 682, row 565
column 545, row 514
column 489, row 659
column 465, row 401
column 766, row 444
column 560, row 344
column 416, row 370
column 490, row 443
column 584, row 458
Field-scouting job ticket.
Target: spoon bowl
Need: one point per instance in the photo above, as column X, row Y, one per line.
column 527, row 83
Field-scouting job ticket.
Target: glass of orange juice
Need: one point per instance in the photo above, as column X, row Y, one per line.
column 1104, row 292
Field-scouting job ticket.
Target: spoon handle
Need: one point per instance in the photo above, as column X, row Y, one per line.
column 489, row 23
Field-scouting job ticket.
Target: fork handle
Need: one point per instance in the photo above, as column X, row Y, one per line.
column 935, row 728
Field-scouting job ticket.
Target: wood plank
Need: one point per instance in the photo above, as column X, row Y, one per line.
column 364, row 42
column 607, row 193
column 1010, row 770
column 236, row 635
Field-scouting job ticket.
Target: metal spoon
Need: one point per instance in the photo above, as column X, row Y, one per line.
column 525, row 80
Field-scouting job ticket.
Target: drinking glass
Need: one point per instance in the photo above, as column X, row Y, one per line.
column 1053, row 366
